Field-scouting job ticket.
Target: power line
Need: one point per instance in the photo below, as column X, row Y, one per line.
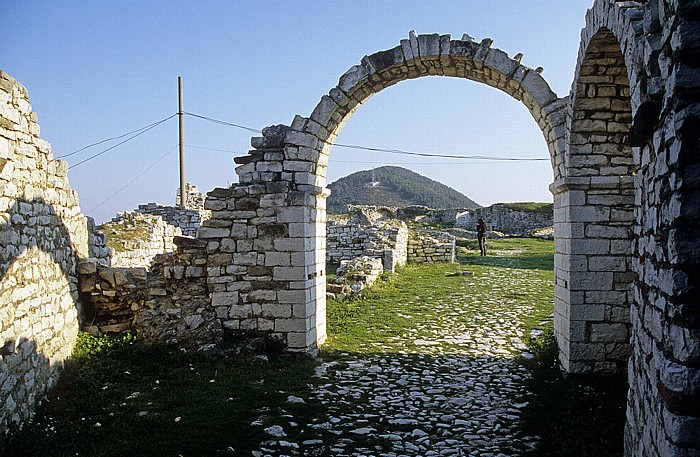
column 113, row 138
column 213, row 149
column 444, row 156
column 133, row 180
column 217, row 121
column 388, row 151
column 144, row 130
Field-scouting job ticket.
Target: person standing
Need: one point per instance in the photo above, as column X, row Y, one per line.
column 481, row 235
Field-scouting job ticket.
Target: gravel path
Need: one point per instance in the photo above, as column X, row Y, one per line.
column 448, row 388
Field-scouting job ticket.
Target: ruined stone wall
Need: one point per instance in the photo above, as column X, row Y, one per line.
column 42, row 232
column 500, row 218
column 135, row 238
column 388, row 242
column 430, row 246
column 165, row 303
column 663, row 412
column 626, row 229
column 194, row 199
column 187, row 219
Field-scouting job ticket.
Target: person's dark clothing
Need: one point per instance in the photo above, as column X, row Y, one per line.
column 481, row 235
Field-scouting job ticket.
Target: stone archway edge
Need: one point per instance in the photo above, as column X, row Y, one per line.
column 419, row 55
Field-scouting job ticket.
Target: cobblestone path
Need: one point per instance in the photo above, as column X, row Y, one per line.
column 451, row 387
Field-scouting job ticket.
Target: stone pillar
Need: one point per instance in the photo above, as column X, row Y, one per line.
column 592, row 273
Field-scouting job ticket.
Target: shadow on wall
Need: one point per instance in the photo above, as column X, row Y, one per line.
column 39, row 308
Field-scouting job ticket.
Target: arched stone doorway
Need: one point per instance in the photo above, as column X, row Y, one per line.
column 594, row 208
column 284, row 178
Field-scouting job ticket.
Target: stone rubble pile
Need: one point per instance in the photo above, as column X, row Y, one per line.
column 354, row 275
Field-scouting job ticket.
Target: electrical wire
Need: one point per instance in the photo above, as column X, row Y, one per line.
column 213, row 149
column 113, row 138
column 133, row 180
column 217, row 121
column 144, row 130
column 443, row 156
column 388, row 151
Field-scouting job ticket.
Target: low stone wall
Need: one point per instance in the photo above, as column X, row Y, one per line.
column 428, row 246
column 346, row 241
column 135, row 238
column 168, row 303
column 187, row 219
column 500, row 218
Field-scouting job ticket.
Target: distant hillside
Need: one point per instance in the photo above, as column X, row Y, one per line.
column 393, row 186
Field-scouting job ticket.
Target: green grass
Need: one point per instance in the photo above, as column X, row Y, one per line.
column 119, row 236
column 531, row 207
column 194, row 405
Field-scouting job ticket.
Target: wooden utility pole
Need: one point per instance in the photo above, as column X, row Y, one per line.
column 181, row 115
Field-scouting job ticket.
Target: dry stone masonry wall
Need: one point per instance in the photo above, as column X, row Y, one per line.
column 41, row 234
column 430, row 246
column 370, row 232
column 186, row 219
column 135, row 238
column 626, row 217
column 500, row 218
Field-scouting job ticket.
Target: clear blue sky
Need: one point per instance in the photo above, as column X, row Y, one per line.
column 97, row 69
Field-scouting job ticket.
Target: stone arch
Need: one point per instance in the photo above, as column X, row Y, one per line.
column 427, row 55
column 289, row 163
column 595, row 202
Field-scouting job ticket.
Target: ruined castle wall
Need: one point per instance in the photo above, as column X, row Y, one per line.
column 165, row 303
column 187, row 219
column 503, row 219
column 663, row 413
column 430, row 246
column 387, row 242
column 42, row 233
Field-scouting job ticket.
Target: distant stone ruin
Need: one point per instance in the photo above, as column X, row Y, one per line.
column 501, row 218
column 188, row 218
column 134, row 238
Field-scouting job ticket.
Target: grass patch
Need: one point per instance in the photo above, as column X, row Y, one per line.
column 585, row 414
column 531, row 207
column 155, row 401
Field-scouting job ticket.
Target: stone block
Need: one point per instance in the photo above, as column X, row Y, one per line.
column 607, row 263
column 289, row 273
column 207, row 232
column 608, row 333
column 224, row 298
column 277, row 311
column 587, row 312
column 290, row 325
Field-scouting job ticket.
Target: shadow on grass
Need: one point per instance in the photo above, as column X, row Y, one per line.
column 573, row 415
column 155, row 401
